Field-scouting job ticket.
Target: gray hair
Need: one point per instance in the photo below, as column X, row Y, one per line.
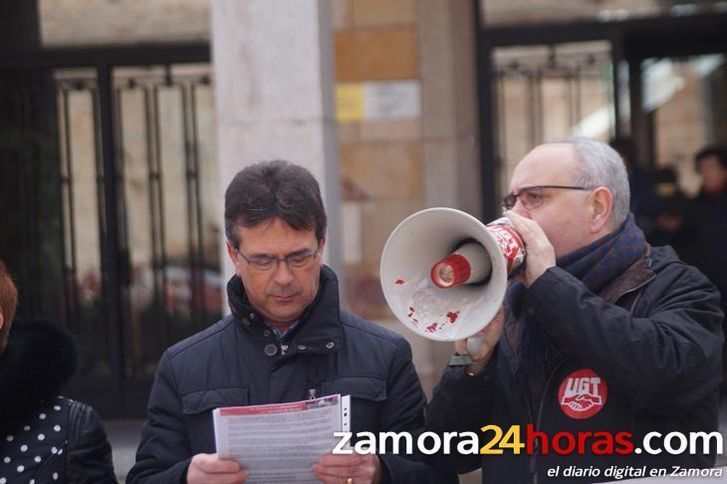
column 600, row 165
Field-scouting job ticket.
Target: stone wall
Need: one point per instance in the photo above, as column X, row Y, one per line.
column 381, row 159
column 84, row 22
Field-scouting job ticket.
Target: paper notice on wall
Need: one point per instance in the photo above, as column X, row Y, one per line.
column 349, row 102
column 371, row 101
column 281, row 442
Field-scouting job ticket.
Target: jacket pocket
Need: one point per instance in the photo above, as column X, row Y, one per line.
column 367, row 399
column 206, row 400
column 366, row 388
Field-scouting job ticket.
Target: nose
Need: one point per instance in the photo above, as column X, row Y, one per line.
column 283, row 276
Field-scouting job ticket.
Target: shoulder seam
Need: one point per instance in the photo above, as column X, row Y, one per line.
column 394, row 339
column 199, row 338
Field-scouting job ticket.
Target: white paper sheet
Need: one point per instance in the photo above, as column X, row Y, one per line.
column 281, row 442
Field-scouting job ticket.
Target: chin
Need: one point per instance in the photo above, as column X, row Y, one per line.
column 287, row 313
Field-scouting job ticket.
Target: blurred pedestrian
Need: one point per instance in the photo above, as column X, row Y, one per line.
column 645, row 203
column 705, row 224
column 672, row 207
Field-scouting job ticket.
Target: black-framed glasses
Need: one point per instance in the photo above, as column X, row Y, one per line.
column 532, row 197
column 296, row 260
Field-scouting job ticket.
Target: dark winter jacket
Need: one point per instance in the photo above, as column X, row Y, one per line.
column 704, row 235
column 642, row 356
column 238, row 361
column 46, row 438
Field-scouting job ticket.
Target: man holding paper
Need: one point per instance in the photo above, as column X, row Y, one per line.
column 286, row 340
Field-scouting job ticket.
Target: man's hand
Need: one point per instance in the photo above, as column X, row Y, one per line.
column 540, row 253
column 210, row 468
column 337, row 469
column 489, row 336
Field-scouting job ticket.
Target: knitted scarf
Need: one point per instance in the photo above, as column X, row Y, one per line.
column 595, row 265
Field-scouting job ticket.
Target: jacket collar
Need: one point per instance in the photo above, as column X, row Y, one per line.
column 634, row 277
column 638, row 274
column 38, row 361
column 319, row 329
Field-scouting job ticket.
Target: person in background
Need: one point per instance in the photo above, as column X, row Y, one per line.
column 704, row 231
column 44, row 437
column 645, row 203
column 668, row 229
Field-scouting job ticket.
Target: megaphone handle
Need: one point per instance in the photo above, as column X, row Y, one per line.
column 474, row 343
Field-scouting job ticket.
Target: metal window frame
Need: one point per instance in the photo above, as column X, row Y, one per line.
column 631, row 40
column 103, row 59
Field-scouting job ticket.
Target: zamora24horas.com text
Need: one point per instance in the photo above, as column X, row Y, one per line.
column 511, row 439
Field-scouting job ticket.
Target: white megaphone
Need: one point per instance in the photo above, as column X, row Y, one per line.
column 444, row 273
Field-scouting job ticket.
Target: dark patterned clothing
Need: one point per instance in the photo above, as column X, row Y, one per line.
column 45, row 438
column 35, row 453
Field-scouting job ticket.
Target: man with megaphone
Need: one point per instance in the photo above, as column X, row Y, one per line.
column 603, row 348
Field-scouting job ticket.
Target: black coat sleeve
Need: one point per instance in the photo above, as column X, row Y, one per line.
column 461, row 403
column 164, row 452
column 666, row 358
column 403, row 411
column 88, row 458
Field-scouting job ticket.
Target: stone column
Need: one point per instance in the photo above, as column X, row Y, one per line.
column 449, row 106
column 273, row 63
column 451, row 163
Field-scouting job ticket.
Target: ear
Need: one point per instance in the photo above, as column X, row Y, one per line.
column 321, row 246
column 232, row 253
column 2, row 320
column 601, row 207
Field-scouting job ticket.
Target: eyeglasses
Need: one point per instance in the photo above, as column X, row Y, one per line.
column 532, row 197
column 297, row 260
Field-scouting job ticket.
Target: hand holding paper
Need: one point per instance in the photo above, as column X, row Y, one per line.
column 363, row 469
column 209, row 468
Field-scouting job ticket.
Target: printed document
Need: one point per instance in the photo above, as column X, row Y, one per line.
column 280, row 442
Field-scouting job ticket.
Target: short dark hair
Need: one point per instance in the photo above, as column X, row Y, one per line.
column 720, row 152
column 8, row 303
column 274, row 189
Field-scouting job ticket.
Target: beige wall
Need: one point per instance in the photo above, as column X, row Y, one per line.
column 83, row 22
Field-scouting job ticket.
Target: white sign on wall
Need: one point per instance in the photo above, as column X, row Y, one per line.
column 359, row 101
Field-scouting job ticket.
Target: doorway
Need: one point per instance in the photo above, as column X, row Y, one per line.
column 112, row 198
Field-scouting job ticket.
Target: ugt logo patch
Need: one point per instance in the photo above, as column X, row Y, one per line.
column 582, row 394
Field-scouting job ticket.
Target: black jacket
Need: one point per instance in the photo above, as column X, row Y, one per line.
column 652, row 338
column 43, row 436
column 330, row 351
column 704, row 237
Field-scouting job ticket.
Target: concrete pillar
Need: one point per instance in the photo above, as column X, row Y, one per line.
column 449, row 131
column 449, row 106
column 273, row 64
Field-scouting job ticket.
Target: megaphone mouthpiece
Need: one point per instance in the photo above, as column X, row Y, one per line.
column 468, row 264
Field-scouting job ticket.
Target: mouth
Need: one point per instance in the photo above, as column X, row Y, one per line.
column 284, row 299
